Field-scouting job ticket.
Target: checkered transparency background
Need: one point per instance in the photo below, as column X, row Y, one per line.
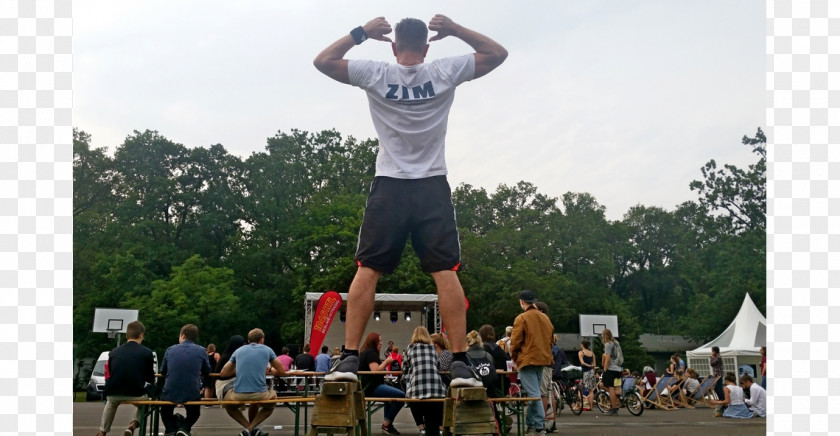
column 803, row 128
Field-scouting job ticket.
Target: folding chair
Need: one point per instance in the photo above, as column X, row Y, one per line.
column 678, row 399
column 702, row 394
column 654, row 396
column 627, row 385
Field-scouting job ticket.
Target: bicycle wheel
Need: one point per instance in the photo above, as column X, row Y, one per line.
column 575, row 395
column 634, row 403
column 558, row 398
column 602, row 399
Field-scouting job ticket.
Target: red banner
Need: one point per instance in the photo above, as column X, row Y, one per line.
column 328, row 305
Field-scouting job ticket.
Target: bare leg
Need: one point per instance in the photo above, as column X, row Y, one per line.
column 252, row 412
column 262, row 415
column 452, row 308
column 360, row 299
column 237, row 416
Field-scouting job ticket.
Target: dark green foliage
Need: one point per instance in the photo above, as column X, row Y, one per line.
column 196, row 235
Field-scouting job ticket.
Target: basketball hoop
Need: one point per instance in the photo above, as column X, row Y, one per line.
column 112, row 333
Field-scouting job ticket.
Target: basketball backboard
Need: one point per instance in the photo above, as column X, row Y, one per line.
column 593, row 325
column 113, row 320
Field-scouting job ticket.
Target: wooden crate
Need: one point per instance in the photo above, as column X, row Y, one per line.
column 339, row 409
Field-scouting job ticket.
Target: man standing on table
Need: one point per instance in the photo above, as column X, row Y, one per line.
column 409, row 103
column 184, row 365
column 249, row 363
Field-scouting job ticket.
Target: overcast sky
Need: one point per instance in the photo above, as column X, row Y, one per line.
column 625, row 100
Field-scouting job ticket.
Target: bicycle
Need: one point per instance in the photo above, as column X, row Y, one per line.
column 629, row 398
column 567, row 391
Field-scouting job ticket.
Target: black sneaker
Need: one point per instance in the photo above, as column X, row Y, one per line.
column 612, row 412
column 344, row 369
column 245, row 432
column 389, row 429
column 182, row 432
column 463, row 376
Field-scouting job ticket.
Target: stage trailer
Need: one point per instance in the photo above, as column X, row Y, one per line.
column 422, row 310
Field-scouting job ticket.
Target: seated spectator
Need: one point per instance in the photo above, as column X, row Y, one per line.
column 285, row 359
column 305, row 361
column 375, row 385
column 648, row 381
column 322, row 361
column 757, row 402
column 183, row 366
column 249, row 363
column 733, row 399
column 131, row 367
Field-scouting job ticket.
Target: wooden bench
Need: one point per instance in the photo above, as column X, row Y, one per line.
column 150, row 409
column 514, row 404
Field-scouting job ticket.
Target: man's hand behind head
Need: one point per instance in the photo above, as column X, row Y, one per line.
column 443, row 25
column 377, row 28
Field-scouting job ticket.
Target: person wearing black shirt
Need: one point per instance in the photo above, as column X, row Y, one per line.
column 130, row 366
column 305, row 361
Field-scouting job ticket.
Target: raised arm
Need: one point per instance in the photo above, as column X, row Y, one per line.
column 489, row 54
column 331, row 60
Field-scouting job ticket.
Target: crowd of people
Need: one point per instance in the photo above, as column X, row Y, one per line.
column 424, row 369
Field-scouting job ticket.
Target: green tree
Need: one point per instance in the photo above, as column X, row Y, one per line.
column 194, row 293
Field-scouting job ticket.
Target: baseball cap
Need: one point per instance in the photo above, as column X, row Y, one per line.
column 527, row 296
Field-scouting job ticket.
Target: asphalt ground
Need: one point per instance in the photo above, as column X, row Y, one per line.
column 684, row 422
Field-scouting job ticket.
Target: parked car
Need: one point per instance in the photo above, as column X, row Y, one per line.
column 96, row 385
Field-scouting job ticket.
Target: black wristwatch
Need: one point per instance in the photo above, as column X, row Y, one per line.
column 359, row 35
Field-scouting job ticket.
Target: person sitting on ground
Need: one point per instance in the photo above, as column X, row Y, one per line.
column 322, row 361
column 305, row 361
column 423, row 381
column 757, row 402
column 249, row 363
column 733, row 399
column 131, row 366
column 375, row 385
column 183, row 366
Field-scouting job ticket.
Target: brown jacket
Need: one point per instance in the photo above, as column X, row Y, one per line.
column 530, row 342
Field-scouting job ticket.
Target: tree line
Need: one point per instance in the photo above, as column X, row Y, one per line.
column 197, row 235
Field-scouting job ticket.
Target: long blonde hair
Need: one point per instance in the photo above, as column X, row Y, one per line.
column 421, row 336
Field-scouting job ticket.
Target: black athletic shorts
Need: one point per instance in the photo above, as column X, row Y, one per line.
column 399, row 207
column 611, row 379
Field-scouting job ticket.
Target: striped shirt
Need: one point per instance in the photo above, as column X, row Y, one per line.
column 421, row 373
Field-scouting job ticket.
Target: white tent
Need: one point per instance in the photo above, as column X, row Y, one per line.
column 739, row 344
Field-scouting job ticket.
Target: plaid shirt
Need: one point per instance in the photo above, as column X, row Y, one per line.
column 421, row 373
column 717, row 365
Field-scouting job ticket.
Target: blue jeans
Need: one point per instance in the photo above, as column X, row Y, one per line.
column 391, row 409
column 530, row 377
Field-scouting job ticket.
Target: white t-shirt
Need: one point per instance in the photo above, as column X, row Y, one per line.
column 410, row 106
column 758, row 400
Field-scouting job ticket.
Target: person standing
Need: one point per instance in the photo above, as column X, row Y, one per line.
column 763, row 366
column 183, row 366
column 409, row 103
column 131, row 366
column 530, row 349
column 504, row 343
column 249, row 363
column 716, row 362
column 611, row 361
column 322, row 361
column 587, row 365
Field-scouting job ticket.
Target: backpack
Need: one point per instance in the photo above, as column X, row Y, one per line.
column 559, row 362
column 395, row 366
column 617, row 356
column 483, row 366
